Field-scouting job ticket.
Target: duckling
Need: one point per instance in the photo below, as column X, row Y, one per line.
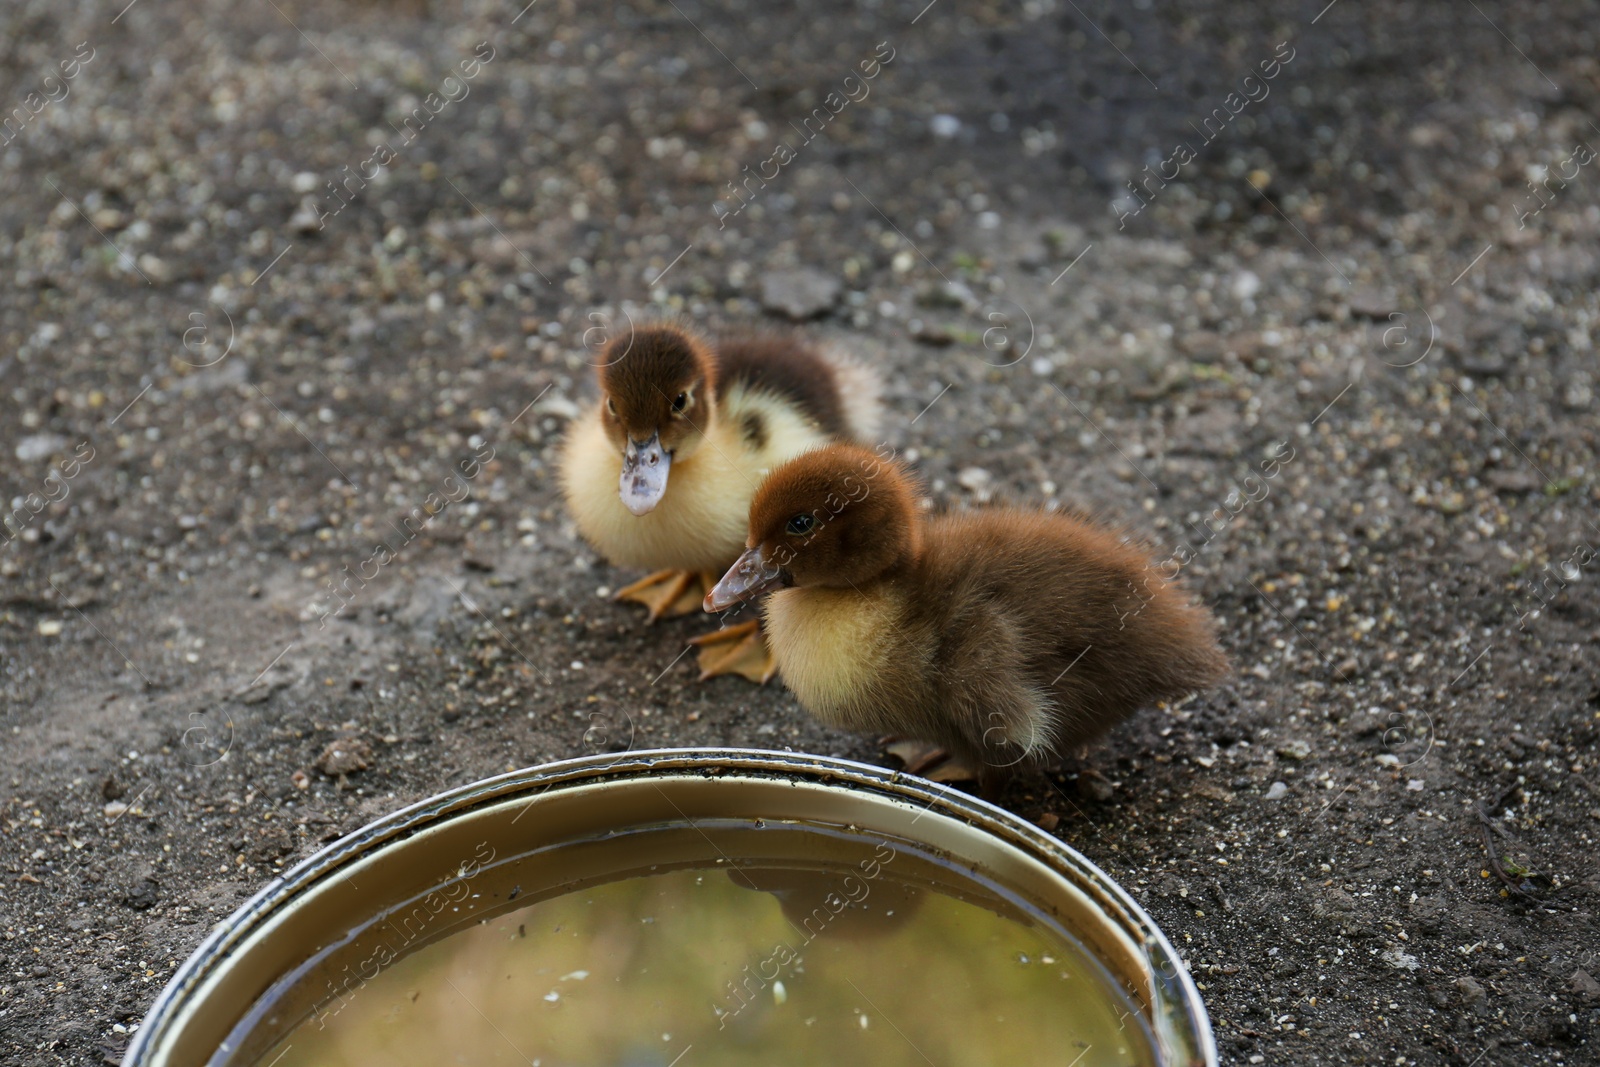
column 1005, row 636
column 659, row 473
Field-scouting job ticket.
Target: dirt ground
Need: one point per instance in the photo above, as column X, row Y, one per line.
column 223, row 384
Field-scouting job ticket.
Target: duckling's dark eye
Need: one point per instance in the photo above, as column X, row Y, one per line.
column 800, row 525
column 680, row 401
column 611, row 406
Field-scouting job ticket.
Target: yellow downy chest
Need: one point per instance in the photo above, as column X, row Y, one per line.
column 701, row 522
column 831, row 645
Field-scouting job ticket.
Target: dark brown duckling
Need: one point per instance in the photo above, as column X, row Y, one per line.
column 1006, row 636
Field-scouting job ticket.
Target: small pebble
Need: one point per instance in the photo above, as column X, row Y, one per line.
column 1295, row 750
column 345, row 756
column 1094, row 786
column 975, row 479
column 798, row 295
column 1401, row 960
column 1277, row 791
column 39, row 446
column 155, row 268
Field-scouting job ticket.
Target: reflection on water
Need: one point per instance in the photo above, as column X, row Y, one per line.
column 710, row 966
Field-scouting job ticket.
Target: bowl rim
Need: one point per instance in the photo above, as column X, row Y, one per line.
column 1167, row 970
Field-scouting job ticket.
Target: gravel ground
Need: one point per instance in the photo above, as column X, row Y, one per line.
column 1339, row 346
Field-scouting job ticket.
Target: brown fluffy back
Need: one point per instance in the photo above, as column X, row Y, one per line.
column 1056, row 607
column 786, row 367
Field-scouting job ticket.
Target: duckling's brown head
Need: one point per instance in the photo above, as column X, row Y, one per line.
column 657, row 387
column 837, row 516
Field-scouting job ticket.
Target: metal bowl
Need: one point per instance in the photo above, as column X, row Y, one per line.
column 274, row 949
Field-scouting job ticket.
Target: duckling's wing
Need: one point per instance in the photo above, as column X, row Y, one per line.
column 839, row 396
column 987, row 685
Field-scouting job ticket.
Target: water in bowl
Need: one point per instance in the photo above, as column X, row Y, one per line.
column 738, row 943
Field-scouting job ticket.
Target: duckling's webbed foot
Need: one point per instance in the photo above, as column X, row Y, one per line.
column 740, row 649
column 669, row 593
column 931, row 761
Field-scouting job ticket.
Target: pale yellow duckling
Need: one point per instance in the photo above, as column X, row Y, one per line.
column 659, row 473
column 1005, row 636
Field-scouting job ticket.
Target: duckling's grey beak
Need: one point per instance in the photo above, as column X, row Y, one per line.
column 644, row 474
column 751, row 575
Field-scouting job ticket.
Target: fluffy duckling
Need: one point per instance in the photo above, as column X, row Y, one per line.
column 1005, row 636
column 659, row 473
